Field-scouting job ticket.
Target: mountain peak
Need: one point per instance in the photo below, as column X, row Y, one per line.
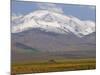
column 50, row 21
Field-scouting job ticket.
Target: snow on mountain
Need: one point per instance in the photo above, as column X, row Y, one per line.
column 50, row 21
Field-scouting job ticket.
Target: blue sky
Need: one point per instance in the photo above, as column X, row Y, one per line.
column 83, row 12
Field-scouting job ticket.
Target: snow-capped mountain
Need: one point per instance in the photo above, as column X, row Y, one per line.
column 50, row 21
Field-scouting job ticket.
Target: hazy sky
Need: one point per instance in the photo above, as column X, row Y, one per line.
column 83, row 12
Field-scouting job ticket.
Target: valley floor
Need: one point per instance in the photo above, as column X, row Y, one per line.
column 53, row 66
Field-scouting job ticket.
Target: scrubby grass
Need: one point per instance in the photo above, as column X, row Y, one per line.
column 54, row 65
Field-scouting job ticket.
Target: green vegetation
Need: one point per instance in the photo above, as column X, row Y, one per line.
column 53, row 65
column 25, row 47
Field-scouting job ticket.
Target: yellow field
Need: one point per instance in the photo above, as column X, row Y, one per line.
column 53, row 66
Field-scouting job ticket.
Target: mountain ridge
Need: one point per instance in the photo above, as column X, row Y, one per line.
column 49, row 21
